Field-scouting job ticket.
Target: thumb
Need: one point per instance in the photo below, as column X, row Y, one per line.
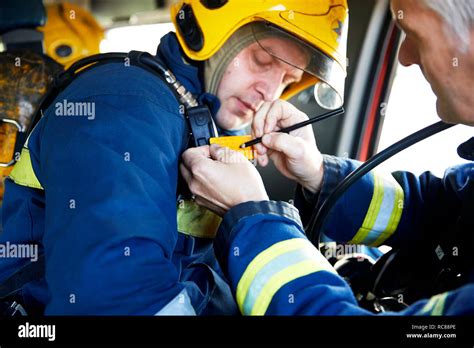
column 216, row 152
column 194, row 154
column 289, row 145
column 226, row 155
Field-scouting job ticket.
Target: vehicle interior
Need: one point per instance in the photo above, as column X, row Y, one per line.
column 373, row 117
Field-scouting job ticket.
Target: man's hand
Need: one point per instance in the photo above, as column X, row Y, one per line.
column 295, row 155
column 221, row 178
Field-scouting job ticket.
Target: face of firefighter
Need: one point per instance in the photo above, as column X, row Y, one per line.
column 449, row 71
column 253, row 77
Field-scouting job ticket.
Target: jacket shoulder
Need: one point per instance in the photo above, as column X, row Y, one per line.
column 117, row 79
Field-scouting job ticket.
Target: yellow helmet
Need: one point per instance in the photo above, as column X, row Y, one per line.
column 203, row 26
column 70, row 33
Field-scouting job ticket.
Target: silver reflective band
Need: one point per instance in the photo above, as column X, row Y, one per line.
column 180, row 305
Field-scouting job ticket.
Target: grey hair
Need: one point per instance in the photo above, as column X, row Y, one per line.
column 458, row 15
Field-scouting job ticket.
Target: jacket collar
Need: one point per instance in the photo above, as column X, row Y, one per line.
column 186, row 71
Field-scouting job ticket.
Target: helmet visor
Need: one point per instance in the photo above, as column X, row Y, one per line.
column 329, row 91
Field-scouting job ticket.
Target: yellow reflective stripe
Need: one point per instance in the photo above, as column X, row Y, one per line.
column 439, row 306
column 196, row 221
column 23, row 173
column 280, row 279
column 384, row 212
column 372, row 212
column 274, row 267
column 260, row 261
column 435, row 306
column 395, row 216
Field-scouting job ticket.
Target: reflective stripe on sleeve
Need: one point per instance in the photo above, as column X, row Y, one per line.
column 23, row 173
column 272, row 269
column 383, row 214
column 435, row 306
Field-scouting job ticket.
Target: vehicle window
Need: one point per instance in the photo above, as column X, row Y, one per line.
column 412, row 106
column 139, row 38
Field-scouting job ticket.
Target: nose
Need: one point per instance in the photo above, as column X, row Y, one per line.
column 408, row 53
column 270, row 85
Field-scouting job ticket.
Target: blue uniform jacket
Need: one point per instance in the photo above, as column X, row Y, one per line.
column 275, row 270
column 106, row 219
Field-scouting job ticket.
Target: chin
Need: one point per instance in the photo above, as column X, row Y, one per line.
column 231, row 122
column 226, row 124
column 445, row 113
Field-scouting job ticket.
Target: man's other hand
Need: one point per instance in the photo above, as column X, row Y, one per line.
column 221, row 178
column 295, row 155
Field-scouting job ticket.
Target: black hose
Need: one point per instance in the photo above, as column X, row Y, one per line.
column 318, row 218
column 94, row 59
column 155, row 64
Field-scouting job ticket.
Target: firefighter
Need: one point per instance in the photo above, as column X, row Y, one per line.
column 96, row 185
column 273, row 268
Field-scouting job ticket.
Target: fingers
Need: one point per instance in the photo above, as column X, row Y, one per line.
column 195, row 154
column 268, row 119
column 226, row 155
column 282, row 114
column 216, row 152
column 200, row 151
column 290, row 146
column 196, row 167
column 259, row 120
column 194, row 187
column 273, row 116
column 263, row 160
column 276, row 113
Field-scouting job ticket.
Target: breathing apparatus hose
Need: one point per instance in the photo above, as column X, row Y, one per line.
column 319, row 216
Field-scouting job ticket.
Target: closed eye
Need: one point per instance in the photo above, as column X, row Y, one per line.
column 262, row 58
